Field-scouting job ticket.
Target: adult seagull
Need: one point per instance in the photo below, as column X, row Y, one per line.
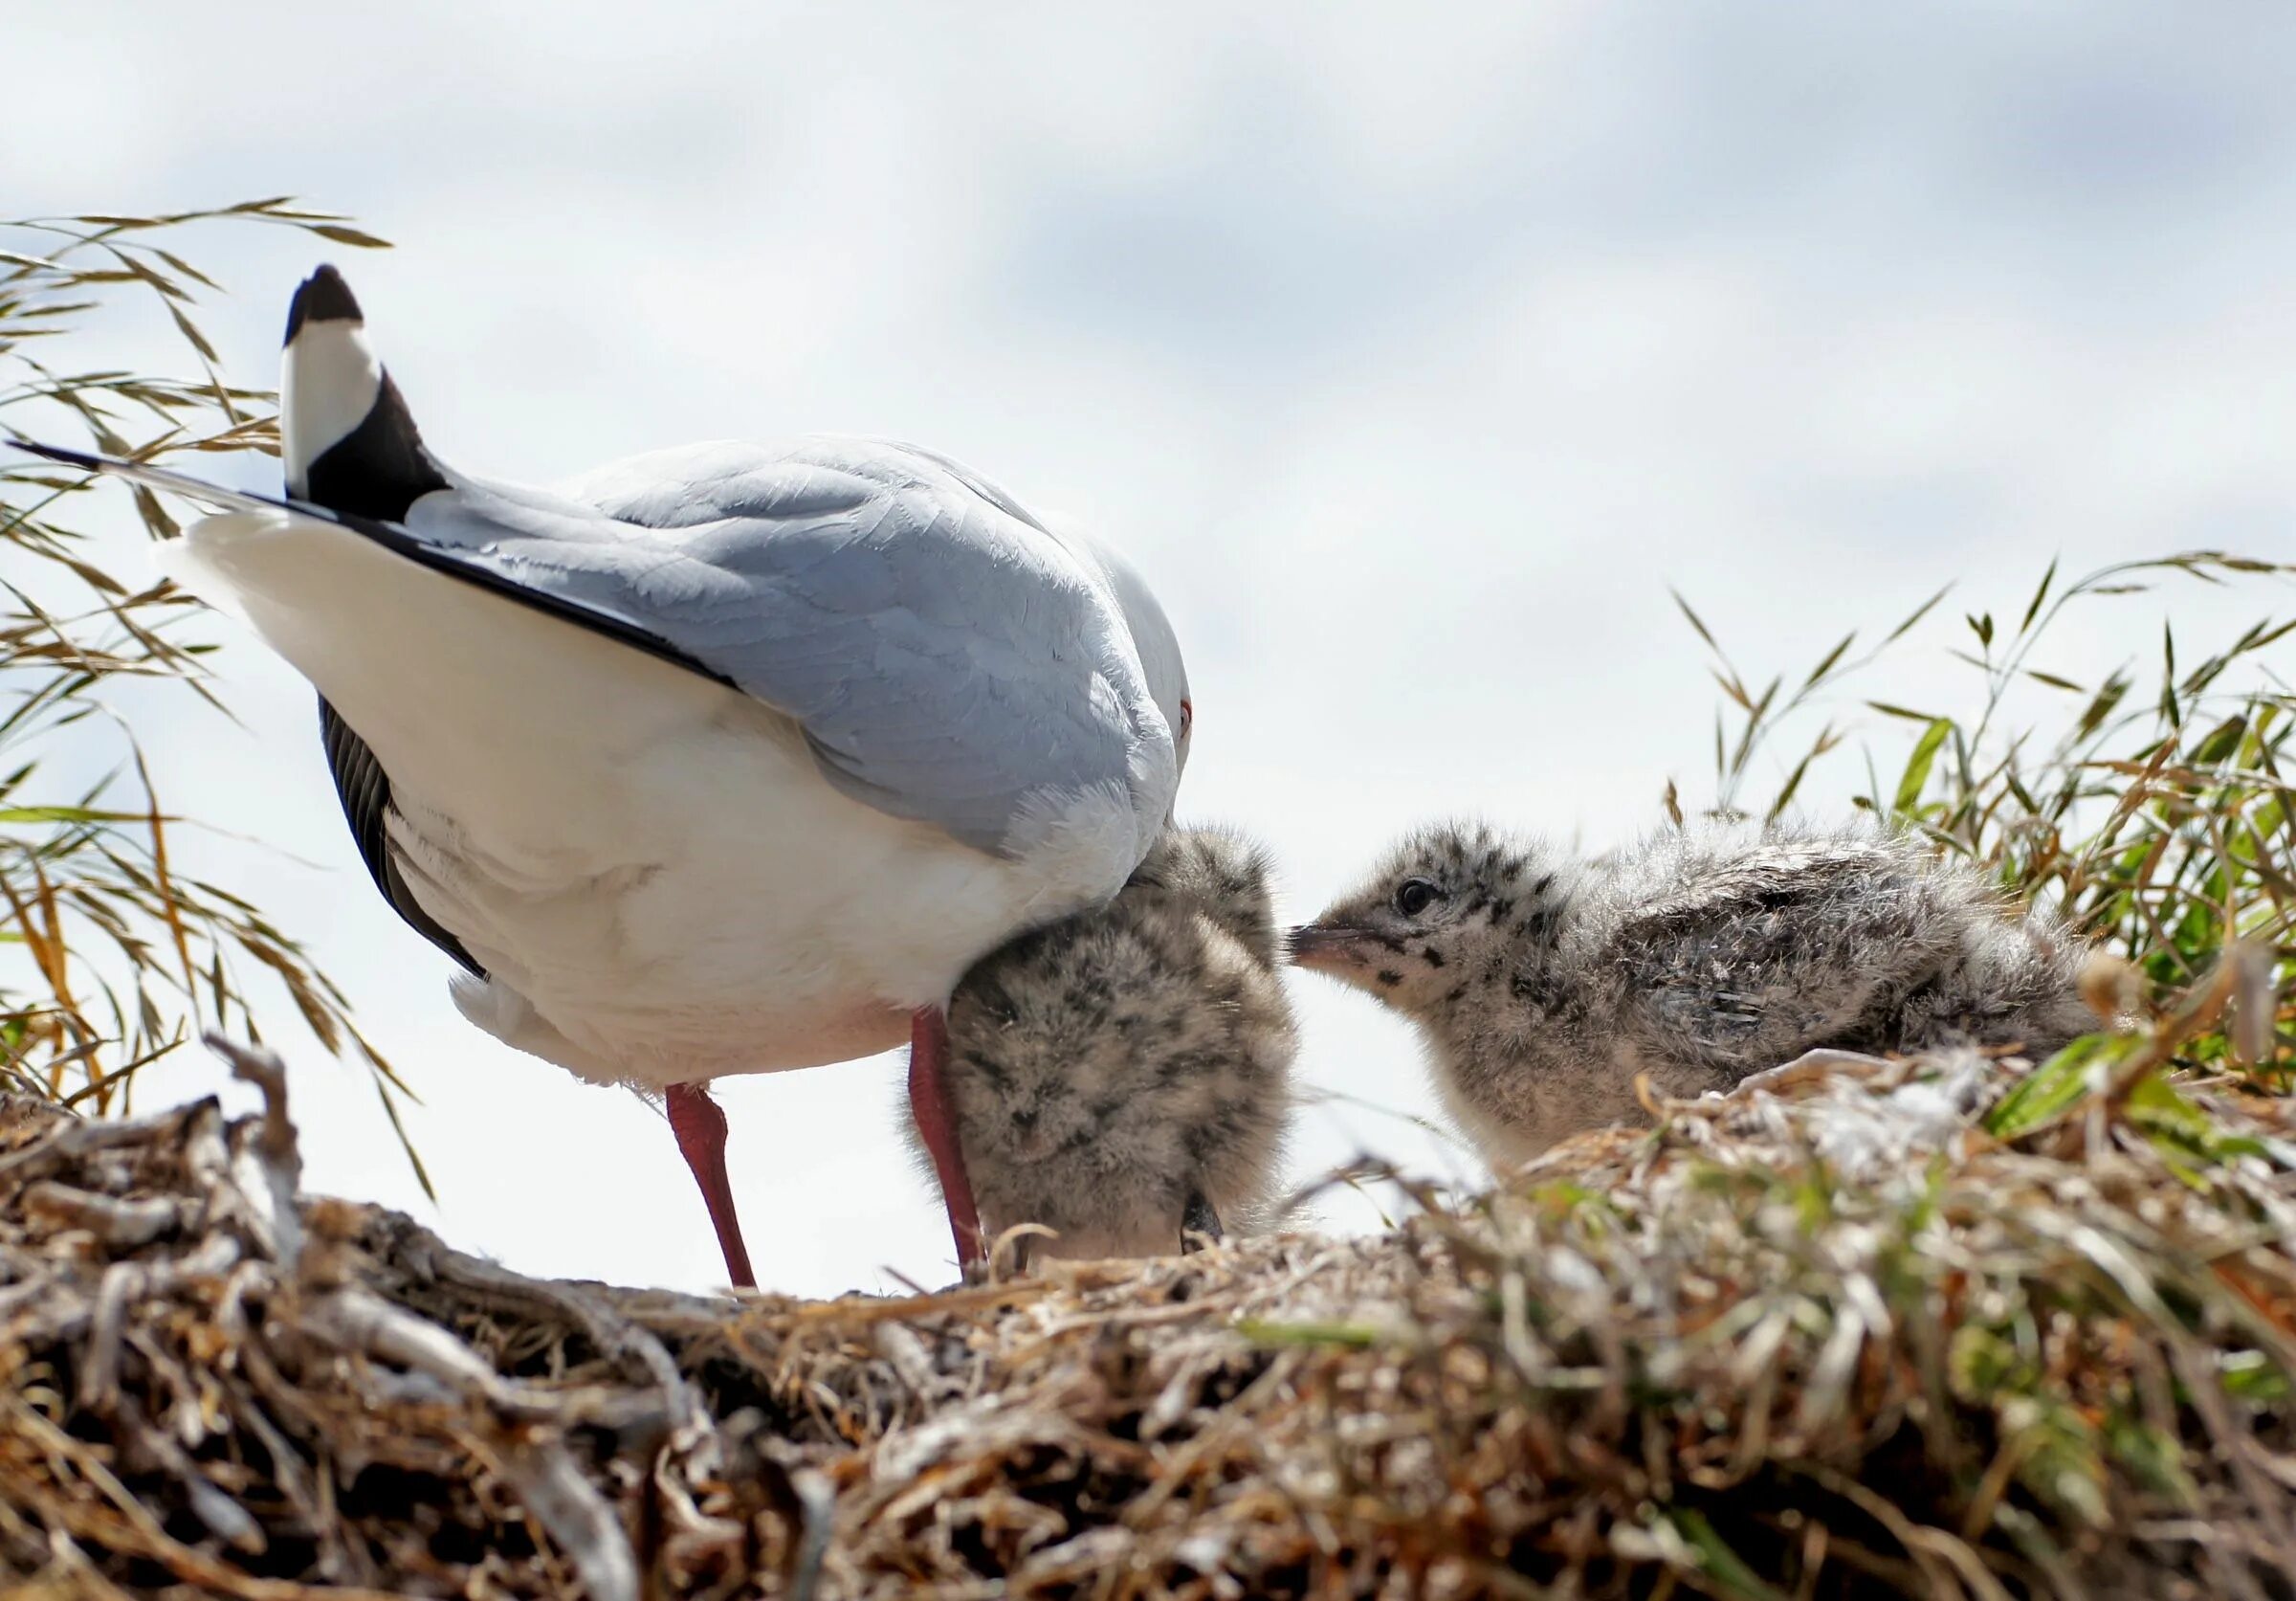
column 720, row 759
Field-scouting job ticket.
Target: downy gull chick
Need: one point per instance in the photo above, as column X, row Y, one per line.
column 1544, row 983
column 1123, row 1077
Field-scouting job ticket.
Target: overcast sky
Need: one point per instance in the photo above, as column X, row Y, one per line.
column 1412, row 363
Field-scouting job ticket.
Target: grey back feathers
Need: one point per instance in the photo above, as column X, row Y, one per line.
column 1126, row 1070
column 1003, row 674
column 1545, row 983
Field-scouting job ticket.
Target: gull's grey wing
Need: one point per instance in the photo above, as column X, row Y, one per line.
column 949, row 661
column 364, row 791
column 1755, row 960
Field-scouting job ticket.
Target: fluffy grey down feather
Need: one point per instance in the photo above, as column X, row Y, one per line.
column 1544, row 982
column 1107, row 1070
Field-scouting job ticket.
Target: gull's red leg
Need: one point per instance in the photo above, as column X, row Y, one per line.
column 700, row 1125
column 929, row 1103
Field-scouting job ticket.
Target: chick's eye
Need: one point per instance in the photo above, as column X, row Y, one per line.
column 1414, row 896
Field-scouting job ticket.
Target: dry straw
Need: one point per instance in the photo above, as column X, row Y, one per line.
column 1864, row 1327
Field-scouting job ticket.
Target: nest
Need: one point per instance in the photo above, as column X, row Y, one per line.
column 1827, row 1336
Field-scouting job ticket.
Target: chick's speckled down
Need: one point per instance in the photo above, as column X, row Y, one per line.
column 1126, row 1070
column 1544, row 982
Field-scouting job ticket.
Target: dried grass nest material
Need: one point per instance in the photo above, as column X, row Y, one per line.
column 1826, row 1337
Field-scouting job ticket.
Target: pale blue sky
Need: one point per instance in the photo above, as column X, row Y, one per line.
column 1412, row 360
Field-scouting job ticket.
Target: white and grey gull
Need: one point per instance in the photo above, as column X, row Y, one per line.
column 720, row 759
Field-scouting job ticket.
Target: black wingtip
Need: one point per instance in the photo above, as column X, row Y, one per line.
column 324, row 298
column 54, row 453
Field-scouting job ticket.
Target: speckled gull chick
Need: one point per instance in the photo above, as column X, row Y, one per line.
column 1544, row 983
column 1123, row 1077
column 721, row 759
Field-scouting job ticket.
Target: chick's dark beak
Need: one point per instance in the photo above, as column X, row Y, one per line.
column 1326, row 947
